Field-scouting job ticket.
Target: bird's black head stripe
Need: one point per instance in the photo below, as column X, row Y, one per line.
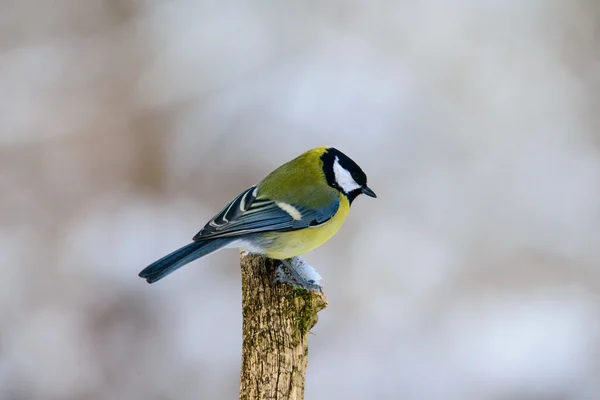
column 328, row 158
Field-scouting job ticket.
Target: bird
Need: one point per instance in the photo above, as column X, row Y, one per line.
column 293, row 210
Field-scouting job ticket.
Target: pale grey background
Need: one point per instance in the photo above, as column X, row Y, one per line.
column 125, row 125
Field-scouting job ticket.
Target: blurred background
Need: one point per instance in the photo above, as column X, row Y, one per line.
column 126, row 124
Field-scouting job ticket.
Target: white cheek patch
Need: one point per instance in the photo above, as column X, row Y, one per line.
column 343, row 177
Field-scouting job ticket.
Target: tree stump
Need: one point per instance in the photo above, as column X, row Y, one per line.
column 277, row 319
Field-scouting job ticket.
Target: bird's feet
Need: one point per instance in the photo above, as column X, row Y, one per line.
column 295, row 272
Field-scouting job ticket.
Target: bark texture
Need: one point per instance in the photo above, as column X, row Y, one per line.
column 276, row 323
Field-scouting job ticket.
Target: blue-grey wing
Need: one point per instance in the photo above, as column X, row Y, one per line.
column 247, row 214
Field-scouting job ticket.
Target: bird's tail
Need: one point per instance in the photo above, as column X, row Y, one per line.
column 177, row 259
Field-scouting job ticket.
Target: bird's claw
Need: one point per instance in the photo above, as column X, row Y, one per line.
column 287, row 273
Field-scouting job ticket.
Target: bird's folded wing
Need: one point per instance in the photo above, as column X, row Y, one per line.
column 248, row 214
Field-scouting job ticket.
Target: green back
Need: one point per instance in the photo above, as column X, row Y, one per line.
column 301, row 178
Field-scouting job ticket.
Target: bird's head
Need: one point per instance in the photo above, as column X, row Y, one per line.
column 343, row 174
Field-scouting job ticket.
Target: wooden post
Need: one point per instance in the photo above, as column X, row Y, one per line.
column 276, row 322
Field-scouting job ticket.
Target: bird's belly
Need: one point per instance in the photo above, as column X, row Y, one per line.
column 295, row 243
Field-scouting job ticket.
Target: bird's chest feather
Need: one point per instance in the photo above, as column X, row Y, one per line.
column 296, row 243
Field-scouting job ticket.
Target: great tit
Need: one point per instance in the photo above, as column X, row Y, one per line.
column 295, row 209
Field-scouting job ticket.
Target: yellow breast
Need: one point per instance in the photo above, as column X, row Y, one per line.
column 295, row 243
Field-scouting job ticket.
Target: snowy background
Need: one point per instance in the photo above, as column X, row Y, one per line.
column 126, row 124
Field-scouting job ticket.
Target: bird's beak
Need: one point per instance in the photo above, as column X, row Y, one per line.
column 366, row 190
